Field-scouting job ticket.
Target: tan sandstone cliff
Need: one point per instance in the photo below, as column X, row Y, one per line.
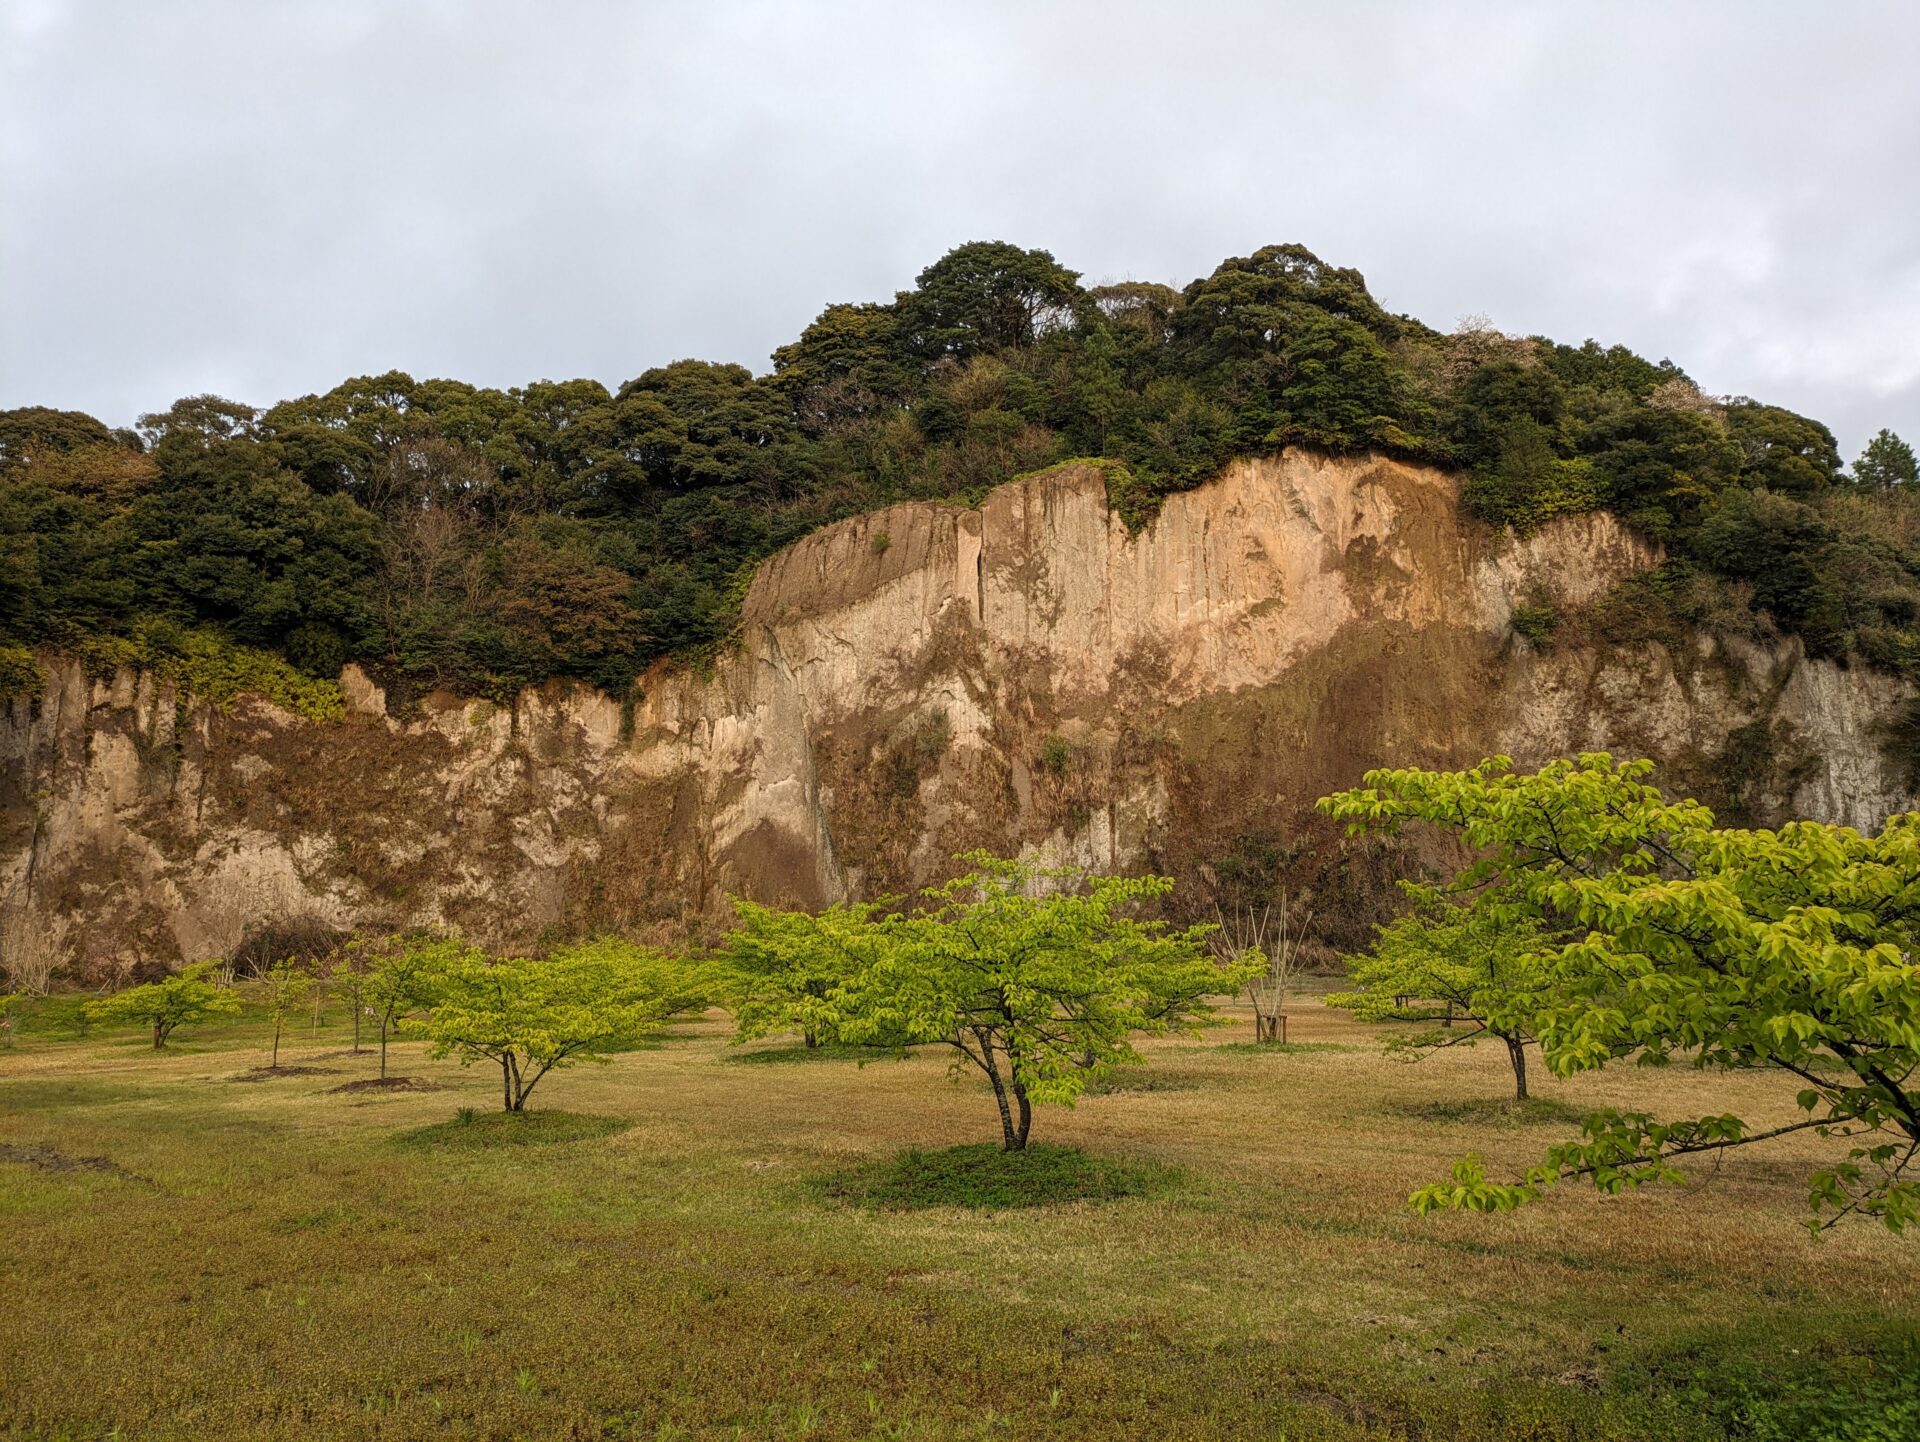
column 907, row 684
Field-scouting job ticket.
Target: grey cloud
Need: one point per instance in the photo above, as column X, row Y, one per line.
column 264, row 198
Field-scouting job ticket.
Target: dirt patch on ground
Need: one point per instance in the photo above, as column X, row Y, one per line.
column 46, row 1159
column 386, row 1084
column 269, row 1073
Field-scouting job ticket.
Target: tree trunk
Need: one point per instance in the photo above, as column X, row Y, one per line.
column 159, row 1037
column 519, row 1091
column 1448, row 1020
column 1026, row 1118
column 812, row 1039
column 1517, row 1051
column 383, row 1046
column 506, row 1086
column 274, row 1065
column 1009, row 1141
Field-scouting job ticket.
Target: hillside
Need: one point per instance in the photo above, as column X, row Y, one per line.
column 447, row 535
column 905, row 684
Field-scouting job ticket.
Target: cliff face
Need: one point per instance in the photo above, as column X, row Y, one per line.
column 909, row 684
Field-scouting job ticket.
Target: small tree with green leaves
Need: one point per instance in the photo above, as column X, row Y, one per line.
column 1038, row 978
column 1790, row 951
column 182, row 999
column 399, row 975
column 8, row 1001
column 530, row 1016
column 1458, row 971
column 281, row 989
column 783, row 966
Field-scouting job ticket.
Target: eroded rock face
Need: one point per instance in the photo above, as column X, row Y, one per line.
column 909, row 684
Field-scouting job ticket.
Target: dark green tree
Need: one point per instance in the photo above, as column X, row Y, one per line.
column 1887, row 461
column 985, row 296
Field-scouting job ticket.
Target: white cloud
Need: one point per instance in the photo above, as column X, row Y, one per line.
column 264, row 197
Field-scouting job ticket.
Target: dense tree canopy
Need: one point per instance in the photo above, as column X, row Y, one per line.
column 1456, row 970
column 1036, row 978
column 531, row 1016
column 188, row 996
column 480, row 538
column 1666, row 938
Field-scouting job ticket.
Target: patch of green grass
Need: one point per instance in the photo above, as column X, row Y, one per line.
column 1130, row 1079
column 982, row 1177
column 692, row 1279
column 1492, row 1111
column 61, row 1017
column 1864, row 1388
column 1281, row 1048
column 826, row 1051
column 478, row 1130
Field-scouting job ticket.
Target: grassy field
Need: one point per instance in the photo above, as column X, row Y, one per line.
column 669, row 1247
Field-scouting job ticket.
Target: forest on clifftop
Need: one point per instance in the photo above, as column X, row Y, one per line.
column 453, row 535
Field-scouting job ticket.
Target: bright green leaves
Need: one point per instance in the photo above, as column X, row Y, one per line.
column 1470, row 1191
column 185, row 997
column 530, row 1016
column 1468, row 963
column 1037, row 977
column 786, row 965
column 1788, row 949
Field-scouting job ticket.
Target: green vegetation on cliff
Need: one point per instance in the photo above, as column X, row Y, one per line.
column 483, row 539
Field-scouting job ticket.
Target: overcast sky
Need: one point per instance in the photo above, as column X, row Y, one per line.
column 263, row 197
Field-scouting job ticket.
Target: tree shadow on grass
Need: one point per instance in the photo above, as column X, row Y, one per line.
column 470, row 1130
column 828, row 1051
column 982, row 1177
column 1492, row 1111
column 1132, row 1080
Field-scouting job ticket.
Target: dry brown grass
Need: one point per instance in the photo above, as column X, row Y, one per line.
column 291, row 1266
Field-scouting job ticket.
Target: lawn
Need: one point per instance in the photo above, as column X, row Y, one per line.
column 675, row 1245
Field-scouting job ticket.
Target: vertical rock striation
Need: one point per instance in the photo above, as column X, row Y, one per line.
column 905, row 685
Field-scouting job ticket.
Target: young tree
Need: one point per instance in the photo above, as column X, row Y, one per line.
column 1471, row 958
column 1789, row 950
column 1039, row 993
column 185, row 997
column 785, row 965
column 1887, row 461
column 529, row 1016
column 399, row 975
column 1273, row 941
column 281, row 988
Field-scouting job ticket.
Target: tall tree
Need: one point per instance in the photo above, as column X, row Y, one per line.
column 1785, row 951
column 983, row 297
column 1038, row 978
column 1459, row 969
column 529, row 1016
column 1887, row 461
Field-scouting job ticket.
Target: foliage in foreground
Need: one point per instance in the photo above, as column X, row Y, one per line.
column 1789, row 950
column 1036, row 977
